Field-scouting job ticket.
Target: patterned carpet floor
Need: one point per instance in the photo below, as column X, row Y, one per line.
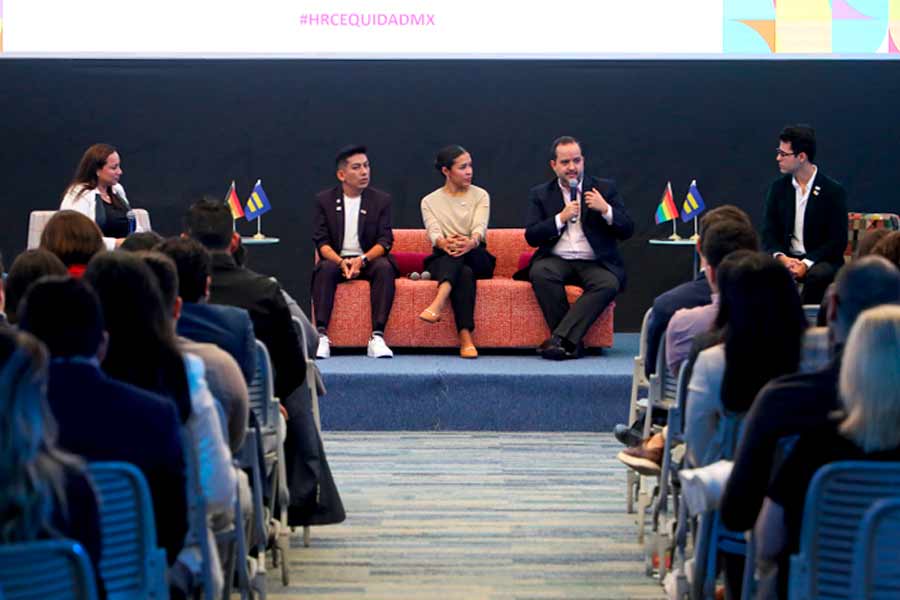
column 473, row 515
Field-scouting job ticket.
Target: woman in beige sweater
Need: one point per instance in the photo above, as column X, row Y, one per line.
column 456, row 217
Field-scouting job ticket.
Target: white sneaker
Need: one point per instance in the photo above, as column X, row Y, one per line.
column 324, row 349
column 378, row 349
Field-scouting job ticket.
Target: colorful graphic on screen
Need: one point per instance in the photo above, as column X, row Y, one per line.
column 811, row 26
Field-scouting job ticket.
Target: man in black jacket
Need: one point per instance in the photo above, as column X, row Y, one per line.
column 805, row 220
column 314, row 497
column 575, row 222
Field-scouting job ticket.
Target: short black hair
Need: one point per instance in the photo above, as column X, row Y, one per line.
column 75, row 331
column 141, row 240
column 346, row 152
column 725, row 237
column 802, row 138
column 193, row 263
column 563, row 140
column 209, row 221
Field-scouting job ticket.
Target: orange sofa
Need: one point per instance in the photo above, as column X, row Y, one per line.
column 507, row 314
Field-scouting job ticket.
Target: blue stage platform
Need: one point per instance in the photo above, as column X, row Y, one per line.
column 496, row 392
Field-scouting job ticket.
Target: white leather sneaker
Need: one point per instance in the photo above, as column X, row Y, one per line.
column 378, row 348
column 324, row 349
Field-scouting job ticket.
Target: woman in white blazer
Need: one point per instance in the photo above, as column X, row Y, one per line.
column 95, row 191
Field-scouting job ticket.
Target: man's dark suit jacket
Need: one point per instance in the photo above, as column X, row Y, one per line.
column 374, row 220
column 545, row 201
column 787, row 406
column 228, row 327
column 261, row 296
column 104, row 419
column 824, row 222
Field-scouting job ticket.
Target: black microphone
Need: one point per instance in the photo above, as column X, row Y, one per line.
column 573, row 197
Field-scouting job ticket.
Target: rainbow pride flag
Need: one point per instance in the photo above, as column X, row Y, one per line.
column 666, row 211
column 234, row 203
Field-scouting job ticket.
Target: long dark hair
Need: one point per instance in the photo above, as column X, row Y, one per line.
column 142, row 346
column 85, row 178
column 31, row 467
column 762, row 321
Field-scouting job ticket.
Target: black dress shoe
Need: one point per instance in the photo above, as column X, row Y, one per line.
column 550, row 341
column 628, row 436
column 557, row 351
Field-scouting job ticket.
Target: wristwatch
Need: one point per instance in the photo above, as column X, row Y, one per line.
column 364, row 260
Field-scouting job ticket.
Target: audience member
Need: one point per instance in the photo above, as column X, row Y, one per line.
column 72, row 237
column 755, row 289
column 805, row 217
column 100, row 418
column 314, row 496
column 223, row 375
column 575, row 221
column 207, row 426
column 719, row 241
column 869, row 240
column 353, row 236
column 456, row 218
column 687, row 295
column 44, row 492
column 27, row 268
column 228, row 327
column 889, row 247
column 141, row 240
column 869, row 389
column 95, row 192
column 795, row 404
column 142, row 348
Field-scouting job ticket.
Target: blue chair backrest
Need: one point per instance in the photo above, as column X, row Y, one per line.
column 57, row 569
column 261, row 388
column 839, row 495
column 132, row 566
column 876, row 566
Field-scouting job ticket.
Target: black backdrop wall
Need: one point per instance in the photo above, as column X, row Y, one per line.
column 188, row 127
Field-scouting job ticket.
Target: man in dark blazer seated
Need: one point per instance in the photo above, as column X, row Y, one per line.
column 100, row 418
column 805, row 219
column 314, row 496
column 352, row 233
column 228, row 327
column 575, row 221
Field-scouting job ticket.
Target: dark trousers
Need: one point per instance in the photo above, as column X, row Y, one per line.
column 462, row 272
column 550, row 275
column 817, row 280
column 380, row 275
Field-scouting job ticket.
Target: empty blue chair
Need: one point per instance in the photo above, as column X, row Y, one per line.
column 876, row 566
column 57, row 569
column 838, row 497
column 132, row 566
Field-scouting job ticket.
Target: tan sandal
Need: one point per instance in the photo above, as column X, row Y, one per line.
column 468, row 352
column 429, row 316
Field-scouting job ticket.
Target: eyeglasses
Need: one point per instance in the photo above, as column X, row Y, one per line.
column 781, row 153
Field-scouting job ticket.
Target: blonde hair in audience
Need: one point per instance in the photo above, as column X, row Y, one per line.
column 870, row 380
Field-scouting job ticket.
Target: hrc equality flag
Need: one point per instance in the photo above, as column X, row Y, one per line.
column 234, row 203
column 666, row 211
column 258, row 203
column 693, row 203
